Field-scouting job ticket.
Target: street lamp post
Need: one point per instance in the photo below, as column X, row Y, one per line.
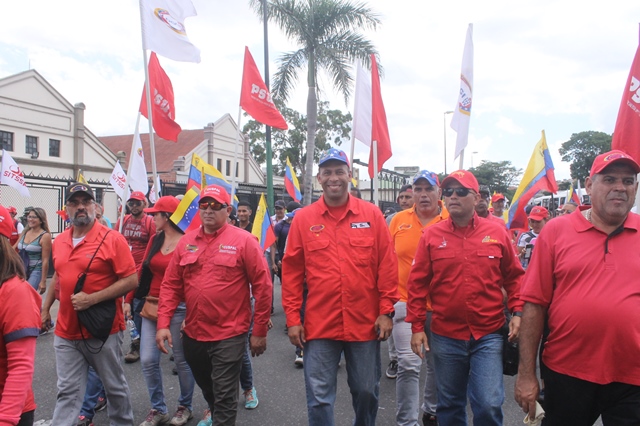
column 472, row 154
column 445, row 139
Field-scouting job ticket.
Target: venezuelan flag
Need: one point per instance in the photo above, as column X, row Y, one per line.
column 291, row 182
column 572, row 195
column 262, row 228
column 212, row 176
column 186, row 216
column 538, row 176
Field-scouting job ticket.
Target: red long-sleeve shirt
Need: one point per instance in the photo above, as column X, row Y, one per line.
column 350, row 268
column 215, row 274
column 463, row 271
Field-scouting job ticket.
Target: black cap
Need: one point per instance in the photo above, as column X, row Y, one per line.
column 280, row 203
column 76, row 188
column 292, row 205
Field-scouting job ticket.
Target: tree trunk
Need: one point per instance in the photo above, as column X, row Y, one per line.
column 312, row 124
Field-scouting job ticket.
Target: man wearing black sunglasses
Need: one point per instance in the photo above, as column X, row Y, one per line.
column 214, row 269
column 461, row 265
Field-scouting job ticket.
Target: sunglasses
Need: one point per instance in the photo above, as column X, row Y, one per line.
column 460, row 192
column 134, row 203
column 76, row 202
column 215, row 206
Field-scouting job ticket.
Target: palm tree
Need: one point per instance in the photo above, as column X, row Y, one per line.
column 327, row 33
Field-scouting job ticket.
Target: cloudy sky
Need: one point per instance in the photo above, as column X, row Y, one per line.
column 560, row 66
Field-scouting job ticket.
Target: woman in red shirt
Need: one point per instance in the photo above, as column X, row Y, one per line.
column 19, row 327
column 156, row 259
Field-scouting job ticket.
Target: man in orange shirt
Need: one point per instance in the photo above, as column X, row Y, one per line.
column 406, row 230
column 342, row 247
column 111, row 274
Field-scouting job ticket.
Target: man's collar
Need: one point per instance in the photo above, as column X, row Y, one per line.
column 352, row 205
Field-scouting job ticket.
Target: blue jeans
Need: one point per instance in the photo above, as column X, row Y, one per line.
column 246, row 374
column 94, row 391
column 35, row 278
column 150, row 362
column 469, row 367
column 136, row 308
column 321, row 358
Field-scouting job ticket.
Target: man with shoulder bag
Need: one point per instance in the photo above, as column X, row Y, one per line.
column 94, row 269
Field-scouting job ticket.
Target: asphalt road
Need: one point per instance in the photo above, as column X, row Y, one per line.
column 280, row 387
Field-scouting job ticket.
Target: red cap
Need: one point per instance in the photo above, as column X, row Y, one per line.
column 538, row 213
column 216, row 192
column 166, row 204
column 608, row 158
column 497, row 197
column 12, row 209
column 6, row 222
column 137, row 195
column 464, row 178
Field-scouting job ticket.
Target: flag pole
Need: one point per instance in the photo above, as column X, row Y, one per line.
column 235, row 157
column 461, row 160
column 147, row 86
column 351, row 154
column 126, row 176
column 376, row 171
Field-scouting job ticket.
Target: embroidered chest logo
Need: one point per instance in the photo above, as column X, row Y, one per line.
column 316, row 229
column 191, row 248
column 227, row 249
column 443, row 244
column 404, row 226
column 360, row 225
column 488, row 239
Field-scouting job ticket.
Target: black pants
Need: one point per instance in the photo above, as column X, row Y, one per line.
column 575, row 402
column 27, row 418
column 216, row 368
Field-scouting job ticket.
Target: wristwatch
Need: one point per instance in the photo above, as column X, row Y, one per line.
column 391, row 314
column 517, row 314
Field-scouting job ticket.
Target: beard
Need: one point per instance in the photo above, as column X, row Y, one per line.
column 83, row 221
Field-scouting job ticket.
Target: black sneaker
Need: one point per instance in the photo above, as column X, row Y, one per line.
column 392, row 370
column 84, row 421
column 101, row 405
column 429, row 420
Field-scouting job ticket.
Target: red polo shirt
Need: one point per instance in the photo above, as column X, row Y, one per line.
column 215, row 274
column 112, row 263
column 463, row 271
column 350, row 268
column 589, row 283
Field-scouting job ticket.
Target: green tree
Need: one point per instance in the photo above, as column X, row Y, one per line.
column 326, row 32
column 581, row 149
column 497, row 175
column 334, row 127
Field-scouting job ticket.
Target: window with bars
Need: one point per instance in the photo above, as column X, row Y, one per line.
column 31, row 144
column 54, row 148
column 6, row 140
column 228, row 168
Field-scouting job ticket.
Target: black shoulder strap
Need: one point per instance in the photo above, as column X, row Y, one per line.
column 82, row 277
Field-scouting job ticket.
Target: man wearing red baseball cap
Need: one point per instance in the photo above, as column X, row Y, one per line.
column 214, row 269
column 137, row 228
column 538, row 218
column 583, row 278
column 461, row 265
column 497, row 203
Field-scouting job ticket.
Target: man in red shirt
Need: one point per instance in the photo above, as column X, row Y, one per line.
column 462, row 265
column 214, row 269
column 583, row 278
column 497, row 203
column 342, row 247
column 111, row 274
column 137, row 228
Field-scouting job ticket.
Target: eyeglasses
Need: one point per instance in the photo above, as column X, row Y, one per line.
column 215, row 206
column 134, row 203
column 460, row 192
column 76, row 202
column 279, row 208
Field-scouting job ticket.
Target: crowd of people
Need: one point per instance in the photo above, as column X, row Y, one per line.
column 443, row 281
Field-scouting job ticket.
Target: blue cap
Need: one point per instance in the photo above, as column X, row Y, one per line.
column 431, row 177
column 333, row 154
column 290, row 215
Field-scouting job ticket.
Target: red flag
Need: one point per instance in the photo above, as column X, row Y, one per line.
column 379, row 128
column 626, row 136
column 255, row 99
column 161, row 100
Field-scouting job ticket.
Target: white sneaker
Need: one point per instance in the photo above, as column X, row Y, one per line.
column 299, row 362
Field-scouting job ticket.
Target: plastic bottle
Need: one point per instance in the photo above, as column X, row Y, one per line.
column 133, row 331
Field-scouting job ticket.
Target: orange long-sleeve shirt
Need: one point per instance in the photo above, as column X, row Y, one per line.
column 350, row 268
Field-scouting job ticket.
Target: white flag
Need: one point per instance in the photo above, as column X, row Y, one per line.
column 137, row 170
column 462, row 112
column 118, row 180
column 12, row 175
column 362, row 106
column 163, row 29
column 152, row 194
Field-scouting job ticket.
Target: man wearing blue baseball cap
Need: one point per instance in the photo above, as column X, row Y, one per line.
column 341, row 247
column 406, row 228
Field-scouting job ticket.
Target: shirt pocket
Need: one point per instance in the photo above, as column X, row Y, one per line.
column 362, row 250
column 492, row 255
column 442, row 255
column 317, row 253
column 190, row 265
column 224, row 267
